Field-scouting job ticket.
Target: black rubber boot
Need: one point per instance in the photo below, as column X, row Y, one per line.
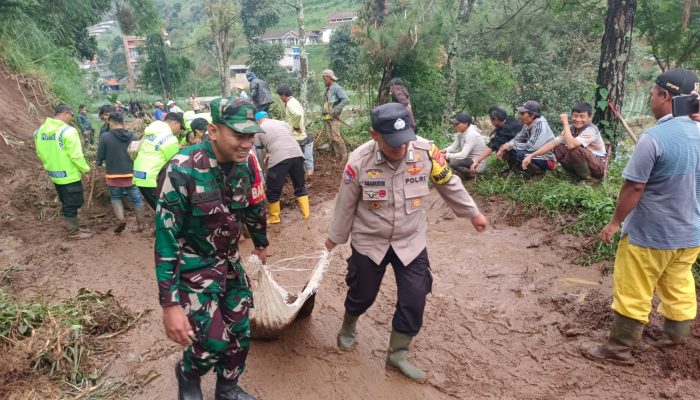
column 188, row 384
column 675, row 333
column 229, row 390
column 624, row 334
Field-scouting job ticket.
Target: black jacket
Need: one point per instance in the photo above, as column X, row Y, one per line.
column 511, row 126
column 260, row 93
column 112, row 150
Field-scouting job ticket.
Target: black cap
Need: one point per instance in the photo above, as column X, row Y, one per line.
column 462, row 118
column 393, row 122
column 678, row 81
column 175, row 116
column 530, row 106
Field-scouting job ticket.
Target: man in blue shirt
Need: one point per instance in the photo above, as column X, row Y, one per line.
column 660, row 238
column 158, row 113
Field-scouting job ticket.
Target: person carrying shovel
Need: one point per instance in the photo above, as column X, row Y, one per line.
column 334, row 100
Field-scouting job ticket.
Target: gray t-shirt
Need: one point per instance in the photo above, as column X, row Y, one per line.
column 667, row 159
column 277, row 141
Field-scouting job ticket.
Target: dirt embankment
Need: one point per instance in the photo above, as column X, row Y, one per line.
column 505, row 319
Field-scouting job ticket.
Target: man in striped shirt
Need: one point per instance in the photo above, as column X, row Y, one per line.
column 535, row 134
column 659, row 209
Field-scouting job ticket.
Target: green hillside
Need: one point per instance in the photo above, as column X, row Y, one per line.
column 316, row 12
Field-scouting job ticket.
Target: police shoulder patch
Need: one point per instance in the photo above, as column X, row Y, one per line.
column 349, row 174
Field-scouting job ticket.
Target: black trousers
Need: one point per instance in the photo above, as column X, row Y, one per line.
column 294, row 167
column 71, row 196
column 149, row 196
column 413, row 283
column 462, row 163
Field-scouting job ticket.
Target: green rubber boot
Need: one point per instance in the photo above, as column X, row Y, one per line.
column 396, row 358
column 140, row 218
column 74, row 229
column 582, row 172
column 347, row 337
column 624, row 334
column 118, row 208
column 675, row 333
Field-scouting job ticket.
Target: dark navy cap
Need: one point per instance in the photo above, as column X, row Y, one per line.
column 462, row 118
column 678, row 81
column 530, row 106
column 393, row 122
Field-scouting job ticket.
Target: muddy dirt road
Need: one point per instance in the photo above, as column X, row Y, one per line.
column 495, row 323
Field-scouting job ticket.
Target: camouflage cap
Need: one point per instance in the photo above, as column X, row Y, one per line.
column 238, row 115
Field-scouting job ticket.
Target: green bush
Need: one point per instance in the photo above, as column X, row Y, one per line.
column 27, row 49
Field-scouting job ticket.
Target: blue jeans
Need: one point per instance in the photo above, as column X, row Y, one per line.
column 521, row 154
column 308, row 150
column 117, row 192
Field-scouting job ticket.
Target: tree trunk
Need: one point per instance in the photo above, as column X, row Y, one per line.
column 384, row 84
column 463, row 14
column 221, row 15
column 614, row 56
column 303, row 68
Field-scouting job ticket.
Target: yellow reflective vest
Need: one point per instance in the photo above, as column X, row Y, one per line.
column 158, row 147
column 59, row 149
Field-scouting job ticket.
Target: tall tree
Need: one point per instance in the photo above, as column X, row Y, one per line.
column 222, row 15
column 672, row 44
column 146, row 21
column 258, row 15
column 463, row 14
column 614, row 56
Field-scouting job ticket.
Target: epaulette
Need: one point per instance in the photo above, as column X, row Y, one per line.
column 362, row 151
column 423, row 144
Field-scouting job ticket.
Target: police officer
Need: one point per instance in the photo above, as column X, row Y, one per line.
column 381, row 202
column 208, row 191
column 158, row 146
column 58, row 147
column 285, row 159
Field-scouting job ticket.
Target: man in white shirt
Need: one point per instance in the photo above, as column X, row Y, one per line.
column 467, row 146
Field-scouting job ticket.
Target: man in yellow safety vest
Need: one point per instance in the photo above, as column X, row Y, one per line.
column 58, row 147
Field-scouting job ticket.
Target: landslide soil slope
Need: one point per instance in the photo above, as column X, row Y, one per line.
column 505, row 319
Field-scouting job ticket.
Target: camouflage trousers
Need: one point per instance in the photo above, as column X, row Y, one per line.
column 221, row 327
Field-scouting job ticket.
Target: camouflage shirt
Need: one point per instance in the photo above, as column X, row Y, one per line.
column 200, row 209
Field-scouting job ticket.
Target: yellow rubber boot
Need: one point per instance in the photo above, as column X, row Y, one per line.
column 273, row 213
column 303, row 202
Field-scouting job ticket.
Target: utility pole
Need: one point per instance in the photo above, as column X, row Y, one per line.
column 303, row 64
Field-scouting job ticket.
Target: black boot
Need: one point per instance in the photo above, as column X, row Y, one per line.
column 187, row 384
column 229, row 390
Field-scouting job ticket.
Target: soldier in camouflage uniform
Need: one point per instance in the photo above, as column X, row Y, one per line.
column 207, row 192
